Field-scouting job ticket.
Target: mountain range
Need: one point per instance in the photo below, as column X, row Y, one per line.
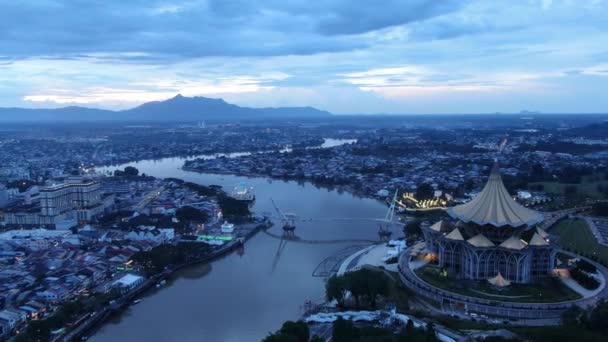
column 178, row 108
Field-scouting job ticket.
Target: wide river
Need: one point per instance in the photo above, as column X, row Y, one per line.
column 244, row 297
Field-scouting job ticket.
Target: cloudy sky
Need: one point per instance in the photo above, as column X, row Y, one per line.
column 410, row 56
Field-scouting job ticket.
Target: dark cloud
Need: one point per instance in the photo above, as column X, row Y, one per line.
column 347, row 18
column 178, row 29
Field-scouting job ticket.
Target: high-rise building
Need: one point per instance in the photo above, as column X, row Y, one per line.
column 76, row 199
column 74, row 194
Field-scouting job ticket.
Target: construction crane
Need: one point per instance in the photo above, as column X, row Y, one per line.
column 384, row 226
column 288, row 219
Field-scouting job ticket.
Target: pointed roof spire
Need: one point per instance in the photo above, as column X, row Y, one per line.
column 495, row 206
column 480, row 240
column 514, row 243
column 543, row 234
column 537, row 240
column 455, row 235
column 440, row 226
column 499, row 281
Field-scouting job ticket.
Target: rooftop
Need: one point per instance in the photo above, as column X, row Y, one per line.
column 494, row 206
column 514, row 243
column 455, row 235
column 480, row 240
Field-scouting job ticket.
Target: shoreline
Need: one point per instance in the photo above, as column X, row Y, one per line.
column 100, row 318
column 209, row 154
column 343, row 187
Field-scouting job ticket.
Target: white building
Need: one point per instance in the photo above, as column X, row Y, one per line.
column 35, row 239
column 151, row 233
column 127, row 282
column 75, row 194
column 75, row 199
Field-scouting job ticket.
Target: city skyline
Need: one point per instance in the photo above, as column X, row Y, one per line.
column 477, row 57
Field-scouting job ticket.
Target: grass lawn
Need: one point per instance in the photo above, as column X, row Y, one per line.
column 575, row 235
column 588, row 187
column 549, row 290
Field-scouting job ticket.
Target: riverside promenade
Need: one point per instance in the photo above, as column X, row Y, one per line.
column 99, row 317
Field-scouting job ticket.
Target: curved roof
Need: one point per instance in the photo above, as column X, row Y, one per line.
column 496, row 207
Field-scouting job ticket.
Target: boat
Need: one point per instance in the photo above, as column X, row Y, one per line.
column 243, row 193
column 227, row 228
column 161, row 283
column 136, row 301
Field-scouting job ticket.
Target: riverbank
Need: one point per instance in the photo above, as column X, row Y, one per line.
column 232, row 153
column 269, row 276
column 338, row 187
column 97, row 319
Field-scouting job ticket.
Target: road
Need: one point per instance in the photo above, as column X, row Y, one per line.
column 148, row 198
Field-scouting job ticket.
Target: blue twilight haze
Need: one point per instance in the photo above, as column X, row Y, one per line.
column 416, row 56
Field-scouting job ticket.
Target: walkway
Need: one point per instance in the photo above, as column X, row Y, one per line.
column 372, row 256
column 551, row 218
column 494, row 307
column 599, row 232
column 314, row 242
column 591, row 296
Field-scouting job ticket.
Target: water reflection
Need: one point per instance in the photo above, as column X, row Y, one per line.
column 243, row 296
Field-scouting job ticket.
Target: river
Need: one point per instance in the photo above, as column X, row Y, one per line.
column 244, row 297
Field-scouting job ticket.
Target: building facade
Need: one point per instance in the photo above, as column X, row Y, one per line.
column 492, row 235
column 76, row 199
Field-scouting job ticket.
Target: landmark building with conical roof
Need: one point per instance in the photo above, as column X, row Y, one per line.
column 492, row 235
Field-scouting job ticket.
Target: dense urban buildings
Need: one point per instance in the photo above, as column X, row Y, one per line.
column 60, row 205
column 77, row 230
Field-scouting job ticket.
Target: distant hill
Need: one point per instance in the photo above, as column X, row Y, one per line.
column 178, row 108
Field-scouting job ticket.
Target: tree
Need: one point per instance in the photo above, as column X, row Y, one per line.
column 367, row 283
column 409, row 326
column 290, row 332
column 344, row 331
column 412, row 228
column 430, row 332
column 297, row 329
column 22, row 184
column 377, row 285
column 600, row 209
column 425, row 191
column 233, row 207
column 572, row 316
column 335, row 288
column 131, row 171
column 128, row 171
column 598, row 318
column 570, row 190
column 469, row 184
column 537, row 172
column 356, row 285
column 188, row 213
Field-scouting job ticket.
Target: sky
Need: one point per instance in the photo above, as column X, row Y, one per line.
column 344, row 56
